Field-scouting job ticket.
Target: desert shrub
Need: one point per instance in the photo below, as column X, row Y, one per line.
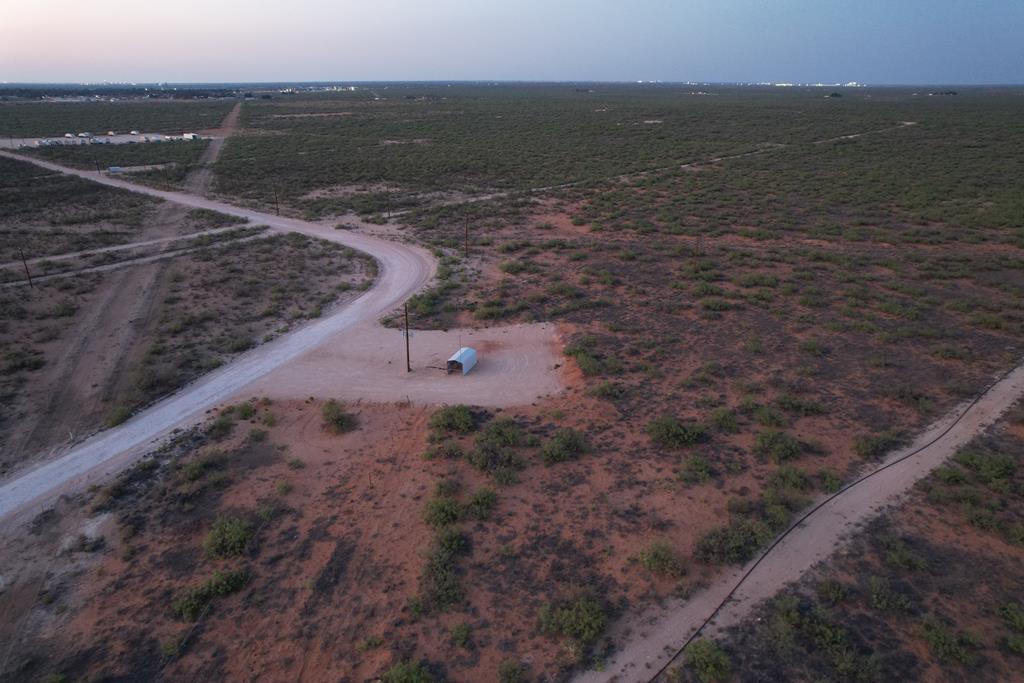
column 460, row 634
column 494, row 450
column 566, row 444
column 883, row 597
column 336, row 419
column 732, row 544
column 190, row 604
column 724, row 420
column 832, row 592
column 799, row 406
column 440, row 584
column 447, row 487
column 716, row 305
column 228, row 537
column 582, row 619
column 245, row 411
column 608, row 390
column 669, row 432
column 875, row 445
column 987, row 467
column 767, row 416
column 789, row 477
column 1012, row 614
column 481, row 504
column 696, row 470
column 780, row 446
column 451, row 542
column 221, row 427
column 450, row 451
column 708, row 661
column 830, row 481
column 899, row 555
column 946, row 645
column 118, row 415
column 456, row 419
column 813, row 347
column 442, row 511
column 407, row 672
column 662, row 559
column 511, row 671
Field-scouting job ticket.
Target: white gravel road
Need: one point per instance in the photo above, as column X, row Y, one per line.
column 403, row 269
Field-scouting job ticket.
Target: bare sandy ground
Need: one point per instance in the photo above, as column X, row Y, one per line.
column 517, row 364
column 650, row 639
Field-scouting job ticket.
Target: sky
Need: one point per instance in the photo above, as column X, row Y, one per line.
column 803, row 41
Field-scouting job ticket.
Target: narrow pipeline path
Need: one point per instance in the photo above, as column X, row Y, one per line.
column 654, row 640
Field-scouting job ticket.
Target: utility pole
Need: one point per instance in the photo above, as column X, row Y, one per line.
column 25, row 263
column 467, row 238
column 408, row 361
column 277, row 202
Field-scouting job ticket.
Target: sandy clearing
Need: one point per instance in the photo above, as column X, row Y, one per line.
column 518, row 364
column 651, row 638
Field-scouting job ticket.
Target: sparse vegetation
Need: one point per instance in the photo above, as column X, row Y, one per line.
column 192, row 602
column 337, row 419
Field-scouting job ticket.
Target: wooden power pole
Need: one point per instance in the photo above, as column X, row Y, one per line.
column 25, row 263
column 408, row 361
column 467, row 238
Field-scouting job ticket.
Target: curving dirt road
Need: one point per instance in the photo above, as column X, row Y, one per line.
column 650, row 640
column 402, row 269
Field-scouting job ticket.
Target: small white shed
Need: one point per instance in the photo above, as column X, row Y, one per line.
column 464, row 359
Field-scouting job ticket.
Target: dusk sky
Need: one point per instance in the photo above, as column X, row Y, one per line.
column 872, row 41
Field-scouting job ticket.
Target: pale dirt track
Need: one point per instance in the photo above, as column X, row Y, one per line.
column 650, row 639
column 403, row 269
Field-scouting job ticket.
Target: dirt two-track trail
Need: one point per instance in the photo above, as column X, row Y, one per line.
column 402, row 270
column 650, row 640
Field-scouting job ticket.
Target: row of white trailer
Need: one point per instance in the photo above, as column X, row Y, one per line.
column 112, row 138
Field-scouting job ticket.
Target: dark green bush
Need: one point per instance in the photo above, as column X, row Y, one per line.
column 456, row 419
column 481, row 504
column 190, row 604
column 582, row 618
column 696, row 470
column 732, row 544
column 336, row 419
column 442, row 511
column 708, row 661
column 662, row 559
column 566, row 444
column 228, row 537
column 669, row 432
column 407, row 672
column 874, row 446
column 780, row 446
